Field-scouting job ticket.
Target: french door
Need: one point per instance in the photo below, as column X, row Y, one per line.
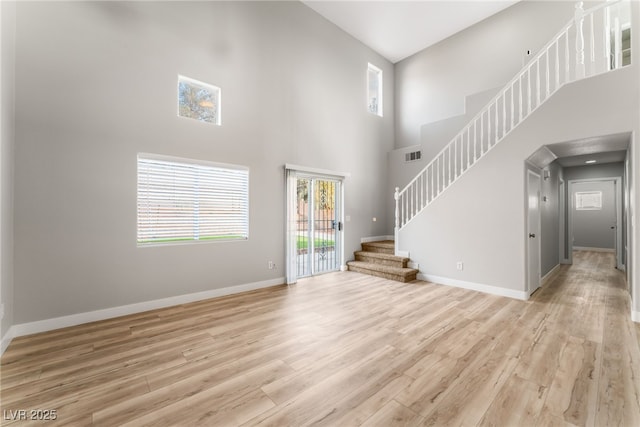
column 314, row 225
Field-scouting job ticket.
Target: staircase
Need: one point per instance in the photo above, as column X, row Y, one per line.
column 590, row 44
column 378, row 259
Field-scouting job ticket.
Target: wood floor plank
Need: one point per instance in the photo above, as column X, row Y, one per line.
column 434, row 379
column 168, row 405
column 345, row 349
column 510, row 409
column 394, row 414
column 468, row 399
column 540, row 361
column 573, row 392
column 358, row 414
column 306, row 406
column 287, row 387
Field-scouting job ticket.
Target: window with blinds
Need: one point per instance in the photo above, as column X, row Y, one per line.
column 182, row 200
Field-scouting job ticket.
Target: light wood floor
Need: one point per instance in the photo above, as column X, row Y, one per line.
column 344, row 350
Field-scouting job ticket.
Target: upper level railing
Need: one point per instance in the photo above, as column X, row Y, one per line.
column 590, row 44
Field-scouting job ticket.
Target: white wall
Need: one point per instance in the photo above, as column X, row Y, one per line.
column 432, row 84
column 7, row 73
column 480, row 220
column 96, row 84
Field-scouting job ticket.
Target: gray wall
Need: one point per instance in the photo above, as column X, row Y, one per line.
column 550, row 219
column 96, row 84
column 8, row 12
column 592, row 228
column 432, row 84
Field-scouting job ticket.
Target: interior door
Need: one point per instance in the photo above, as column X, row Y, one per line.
column 594, row 215
column 533, row 231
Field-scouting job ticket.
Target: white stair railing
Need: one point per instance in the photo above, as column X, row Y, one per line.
column 562, row 60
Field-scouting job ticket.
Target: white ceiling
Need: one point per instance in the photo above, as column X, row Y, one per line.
column 397, row 29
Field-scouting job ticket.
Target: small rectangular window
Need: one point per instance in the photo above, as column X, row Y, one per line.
column 588, row 200
column 181, row 200
column 374, row 90
column 198, row 100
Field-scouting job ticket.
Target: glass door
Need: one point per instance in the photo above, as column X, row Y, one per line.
column 317, row 213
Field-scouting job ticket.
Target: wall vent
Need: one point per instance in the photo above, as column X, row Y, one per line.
column 413, row 156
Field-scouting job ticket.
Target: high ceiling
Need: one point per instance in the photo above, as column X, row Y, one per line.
column 397, row 29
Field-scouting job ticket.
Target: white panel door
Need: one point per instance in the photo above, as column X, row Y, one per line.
column 533, row 231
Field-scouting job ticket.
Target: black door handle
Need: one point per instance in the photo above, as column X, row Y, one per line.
column 531, row 235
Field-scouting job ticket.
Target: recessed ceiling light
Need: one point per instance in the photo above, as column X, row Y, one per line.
column 590, row 161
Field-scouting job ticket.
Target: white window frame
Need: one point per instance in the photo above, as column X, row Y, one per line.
column 187, row 201
column 206, row 86
column 377, row 110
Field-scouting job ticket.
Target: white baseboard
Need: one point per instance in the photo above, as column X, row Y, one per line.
column 375, row 239
column 107, row 313
column 585, row 248
column 635, row 316
column 547, row 277
column 6, row 340
column 487, row 289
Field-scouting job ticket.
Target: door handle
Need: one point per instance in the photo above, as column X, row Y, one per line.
column 613, row 228
column 531, row 235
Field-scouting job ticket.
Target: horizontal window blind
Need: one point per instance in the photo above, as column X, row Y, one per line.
column 179, row 200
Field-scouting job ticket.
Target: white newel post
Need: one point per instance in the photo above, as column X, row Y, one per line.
column 396, row 196
column 579, row 21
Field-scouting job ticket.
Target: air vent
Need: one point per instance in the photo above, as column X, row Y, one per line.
column 413, row 156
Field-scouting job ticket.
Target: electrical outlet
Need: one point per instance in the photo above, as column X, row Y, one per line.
column 459, row 265
column 375, row 219
column 271, row 265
